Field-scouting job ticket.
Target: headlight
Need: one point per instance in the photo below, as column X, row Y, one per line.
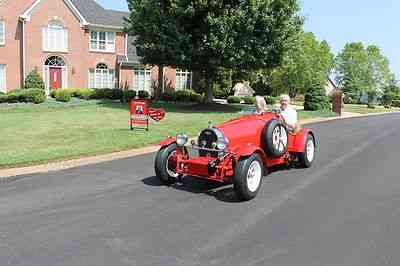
column 221, row 146
column 181, row 139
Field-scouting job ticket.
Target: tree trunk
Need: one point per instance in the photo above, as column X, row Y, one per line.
column 159, row 87
column 209, row 97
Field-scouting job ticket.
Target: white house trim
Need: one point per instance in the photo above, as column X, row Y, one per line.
column 27, row 14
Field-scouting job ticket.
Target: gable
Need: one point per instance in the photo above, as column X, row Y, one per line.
column 28, row 13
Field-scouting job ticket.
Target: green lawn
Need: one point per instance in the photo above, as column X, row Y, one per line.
column 363, row 109
column 50, row 132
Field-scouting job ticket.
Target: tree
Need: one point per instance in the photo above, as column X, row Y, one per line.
column 34, row 81
column 205, row 35
column 315, row 98
column 310, row 62
column 362, row 70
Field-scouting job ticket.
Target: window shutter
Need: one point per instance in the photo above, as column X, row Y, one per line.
column 44, row 38
column 2, row 32
column 65, row 45
column 3, row 78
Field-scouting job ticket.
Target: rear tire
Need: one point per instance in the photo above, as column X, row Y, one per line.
column 248, row 176
column 307, row 157
column 162, row 165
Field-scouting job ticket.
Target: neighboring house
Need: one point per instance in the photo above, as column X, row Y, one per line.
column 242, row 89
column 73, row 43
column 330, row 87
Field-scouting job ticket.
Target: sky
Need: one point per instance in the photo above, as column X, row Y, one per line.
column 342, row 21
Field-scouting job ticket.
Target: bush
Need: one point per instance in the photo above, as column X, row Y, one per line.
column 182, row 96
column 396, row 103
column 63, row 96
column 34, row 80
column 25, row 96
column 2, row 93
column 234, row 99
column 388, row 98
column 371, row 106
column 221, row 92
column 315, row 99
column 249, row 99
column 3, row 98
column 143, row 94
column 111, row 94
column 270, row 100
column 85, row 94
column 352, row 98
column 129, row 95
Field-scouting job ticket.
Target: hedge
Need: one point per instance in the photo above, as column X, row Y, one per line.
column 396, row 103
column 182, row 96
column 24, row 96
column 249, row 99
column 270, row 100
column 63, row 95
column 234, row 99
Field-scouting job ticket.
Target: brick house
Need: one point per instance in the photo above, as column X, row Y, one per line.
column 74, row 44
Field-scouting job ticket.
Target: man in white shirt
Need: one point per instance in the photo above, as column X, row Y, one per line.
column 288, row 113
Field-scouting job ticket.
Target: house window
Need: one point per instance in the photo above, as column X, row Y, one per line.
column 183, row 80
column 3, row 87
column 2, row 32
column 102, row 41
column 55, row 37
column 142, row 79
column 101, row 77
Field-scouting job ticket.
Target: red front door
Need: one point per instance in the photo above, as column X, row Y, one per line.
column 55, row 78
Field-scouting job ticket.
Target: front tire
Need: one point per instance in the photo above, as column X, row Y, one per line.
column 307, row 157
column 248, row 176
column 164, row 165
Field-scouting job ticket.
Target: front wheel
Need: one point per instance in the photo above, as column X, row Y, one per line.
column 249, row 172
column 307, row 157
column 165, row 165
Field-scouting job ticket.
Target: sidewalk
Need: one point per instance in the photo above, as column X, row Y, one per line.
column 57, row 166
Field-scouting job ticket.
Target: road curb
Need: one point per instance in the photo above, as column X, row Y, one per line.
column 13, row 173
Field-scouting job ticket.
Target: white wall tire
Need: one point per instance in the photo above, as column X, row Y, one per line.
column 307, row 157
column 248, row 176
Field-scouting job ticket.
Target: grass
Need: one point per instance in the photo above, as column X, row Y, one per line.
column 363, row 109
column 52, row 132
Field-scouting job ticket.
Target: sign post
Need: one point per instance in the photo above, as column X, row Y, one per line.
column 139, row 112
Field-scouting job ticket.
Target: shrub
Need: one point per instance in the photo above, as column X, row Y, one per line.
column 233, row 99
column 85, row 94
column 143, row 94
column 182, row 96
column 371, row 106
column 63, row 96
column 2, row 93
column 34, row 80
column 3, row 98
column 25, row 96
column 396, row 103
column 111, row 94
column 34, row 96
column 315, row 99
column 130, row 95
column 387, row 107
column 270, row 100
column 249, row 99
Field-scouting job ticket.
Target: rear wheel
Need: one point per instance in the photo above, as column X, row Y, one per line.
column 307, row 157
column 165, row 165
column 249, row 172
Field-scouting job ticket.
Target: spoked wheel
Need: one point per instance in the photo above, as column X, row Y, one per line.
column 308, row 156
column 248, row 176
column 275, row 138
column 165, row 165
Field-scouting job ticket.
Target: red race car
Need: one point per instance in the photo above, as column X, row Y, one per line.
column 238, row 151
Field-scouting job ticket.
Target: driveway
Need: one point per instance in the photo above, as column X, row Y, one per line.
column 345, row 210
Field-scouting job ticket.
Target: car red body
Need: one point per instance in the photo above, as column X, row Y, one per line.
column 245, row 136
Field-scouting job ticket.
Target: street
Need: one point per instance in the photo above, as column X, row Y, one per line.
column 345, row 210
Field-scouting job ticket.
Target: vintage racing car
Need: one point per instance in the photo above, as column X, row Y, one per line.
column 238, row 151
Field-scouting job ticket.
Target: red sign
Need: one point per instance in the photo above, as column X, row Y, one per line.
column 139, row 110
column 140, row 114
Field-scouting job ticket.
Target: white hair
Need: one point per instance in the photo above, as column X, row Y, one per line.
column 285, row 97
column 261, row 105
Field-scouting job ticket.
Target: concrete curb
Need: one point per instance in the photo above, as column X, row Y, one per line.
column 12, row 173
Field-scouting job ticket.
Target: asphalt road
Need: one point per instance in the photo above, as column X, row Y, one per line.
column 345, row 210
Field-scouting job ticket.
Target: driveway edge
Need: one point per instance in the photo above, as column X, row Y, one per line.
column 11, row 173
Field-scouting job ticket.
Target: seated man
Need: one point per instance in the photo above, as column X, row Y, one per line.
column 289, row 114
